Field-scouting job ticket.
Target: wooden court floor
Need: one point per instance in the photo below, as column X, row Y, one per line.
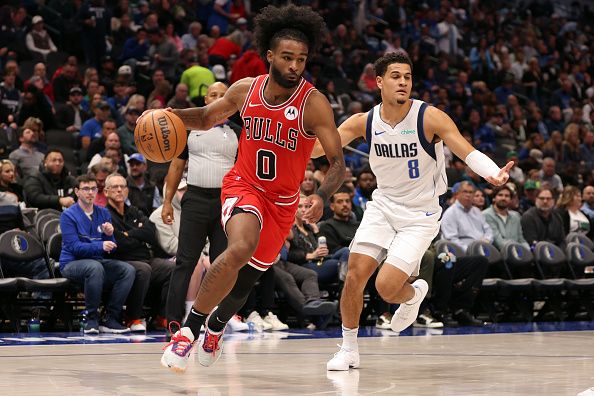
column 548, row 363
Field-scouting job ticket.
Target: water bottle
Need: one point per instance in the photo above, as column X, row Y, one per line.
column 447, row 259
column 83, row 320
column 322, row 243
column 34, row 324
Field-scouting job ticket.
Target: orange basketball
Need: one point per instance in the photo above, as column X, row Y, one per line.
column 160, row 136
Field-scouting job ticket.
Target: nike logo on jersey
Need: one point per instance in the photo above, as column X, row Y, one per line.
column 378, row 133
column 429, row 213
column 254, row 104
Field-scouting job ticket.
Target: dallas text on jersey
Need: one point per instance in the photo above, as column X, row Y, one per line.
column 395, row 150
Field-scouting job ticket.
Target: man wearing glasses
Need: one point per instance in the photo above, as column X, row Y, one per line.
column 88, row 245
column 542, row 223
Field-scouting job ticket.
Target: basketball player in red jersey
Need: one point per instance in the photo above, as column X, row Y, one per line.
column 283, row 115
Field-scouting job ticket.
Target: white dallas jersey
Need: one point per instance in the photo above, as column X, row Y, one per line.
column 409, row 169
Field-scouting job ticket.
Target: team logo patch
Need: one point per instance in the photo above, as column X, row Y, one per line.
column 291, row 113
column 20, row 244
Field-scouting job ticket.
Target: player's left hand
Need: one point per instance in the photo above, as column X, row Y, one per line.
column 502, row 176
column 315, row 210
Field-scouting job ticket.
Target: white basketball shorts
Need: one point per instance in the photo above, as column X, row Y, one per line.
column 396, row 233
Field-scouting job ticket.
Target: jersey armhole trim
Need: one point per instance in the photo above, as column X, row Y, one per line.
column 428, row 147
column 249, row 94
column 368, row 127
column 302, row 115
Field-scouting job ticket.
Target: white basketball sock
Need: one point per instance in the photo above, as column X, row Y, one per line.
column 415, row 299
column 349, row 339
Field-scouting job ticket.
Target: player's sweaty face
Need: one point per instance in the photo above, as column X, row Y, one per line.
column 396, row 83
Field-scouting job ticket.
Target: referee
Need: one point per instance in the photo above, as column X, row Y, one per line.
column 211, row 155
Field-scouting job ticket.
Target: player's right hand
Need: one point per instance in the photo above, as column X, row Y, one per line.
column 315, row 210
column 108, row 246
column 167, row 213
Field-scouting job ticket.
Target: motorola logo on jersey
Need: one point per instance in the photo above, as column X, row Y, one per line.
column 396, row 150
column 260, row 128
column 291, row 113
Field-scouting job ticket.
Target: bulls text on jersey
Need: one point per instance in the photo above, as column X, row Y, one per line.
column 260, row 128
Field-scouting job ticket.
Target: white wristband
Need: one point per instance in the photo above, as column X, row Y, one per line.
column 481, row 164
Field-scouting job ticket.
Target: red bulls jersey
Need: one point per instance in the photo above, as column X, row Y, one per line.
column 274, row 147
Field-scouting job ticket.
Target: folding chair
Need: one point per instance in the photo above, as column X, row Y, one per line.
column 490, row 286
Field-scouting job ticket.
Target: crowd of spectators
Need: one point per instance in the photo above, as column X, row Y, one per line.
column 516, row 78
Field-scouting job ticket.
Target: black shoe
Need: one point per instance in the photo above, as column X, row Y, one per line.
column 464, row 318
column 445, row 318
column 319, row 307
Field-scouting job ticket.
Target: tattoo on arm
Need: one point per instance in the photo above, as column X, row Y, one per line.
column 334, row 177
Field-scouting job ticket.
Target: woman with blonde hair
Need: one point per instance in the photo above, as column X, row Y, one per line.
column 574, row 220
column 8, row 183
column 137, row 102
column 571, row 144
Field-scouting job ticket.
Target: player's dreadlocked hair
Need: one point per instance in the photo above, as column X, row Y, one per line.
column 289, row 22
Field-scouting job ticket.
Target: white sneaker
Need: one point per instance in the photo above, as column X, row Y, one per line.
column 276, row 324
column 178, row 350
column 259, row 323
column 235, row 324
column 343, row 360
column 406, row 314
column 211, row 349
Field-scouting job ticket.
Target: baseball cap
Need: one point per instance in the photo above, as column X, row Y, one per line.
column 512, row 154
column 531, row 184
column 241, row 21
column 219, row 72
column 74, row 90
column 536, row 154
column 37, row 19
column 125, row 69
column 137, row 157
column 103, row 105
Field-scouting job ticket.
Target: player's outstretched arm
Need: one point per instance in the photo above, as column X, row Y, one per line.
column 204, row 118
column 439, row 123
column 320, row 119
column 349, row 130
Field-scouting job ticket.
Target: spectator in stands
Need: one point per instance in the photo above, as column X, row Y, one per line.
column 38, row 40
column 547, row 175
column 142, row 192
column 100, row 172
column 159, row 94
column 180, row 99
column 190, row 39
column 87, row 241
column 126, row 131
column 197, row 78
column 463, row 223
column 26, row 158
column 505, row 223
column 309, row 184
column 36, row 125
column 515, row 173
column 366, row 184
column 162, row 53
column 95, row 19
column 588, row 198
column 35, row 104
column 117, row 161
column 52, row 186
column 542, row 223
column 571, row 153
column 340, row 229
column 554, row 121
column 134, row 232
column 10, row 97
column 569, row 207
column 119, row 98
column 99, row 145
column 40, row 71
column 168, row 234
column 305, row 251
column 92, row 128
column 70, row 116
column 587, row 150
column 8, row 184
column 112, row 142
column 136, row 49
column 65, row 81
column 479, row 200
column 223, row 47
column 250, row 64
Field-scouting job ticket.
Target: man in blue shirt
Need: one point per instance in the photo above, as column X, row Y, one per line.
column 87, row 242
column 91, row 129
column 588, row 198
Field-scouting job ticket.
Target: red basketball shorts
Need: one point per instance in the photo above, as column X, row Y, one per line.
column 275, row 213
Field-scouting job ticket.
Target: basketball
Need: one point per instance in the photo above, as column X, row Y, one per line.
column 160, row 136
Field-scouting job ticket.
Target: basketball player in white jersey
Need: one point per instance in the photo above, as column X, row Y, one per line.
column 406, row 139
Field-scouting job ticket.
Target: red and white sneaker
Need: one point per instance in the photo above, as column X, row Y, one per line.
column 178, row 350
column 212, row 347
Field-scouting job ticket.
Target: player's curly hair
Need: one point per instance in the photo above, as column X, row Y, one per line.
column 288, row 22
